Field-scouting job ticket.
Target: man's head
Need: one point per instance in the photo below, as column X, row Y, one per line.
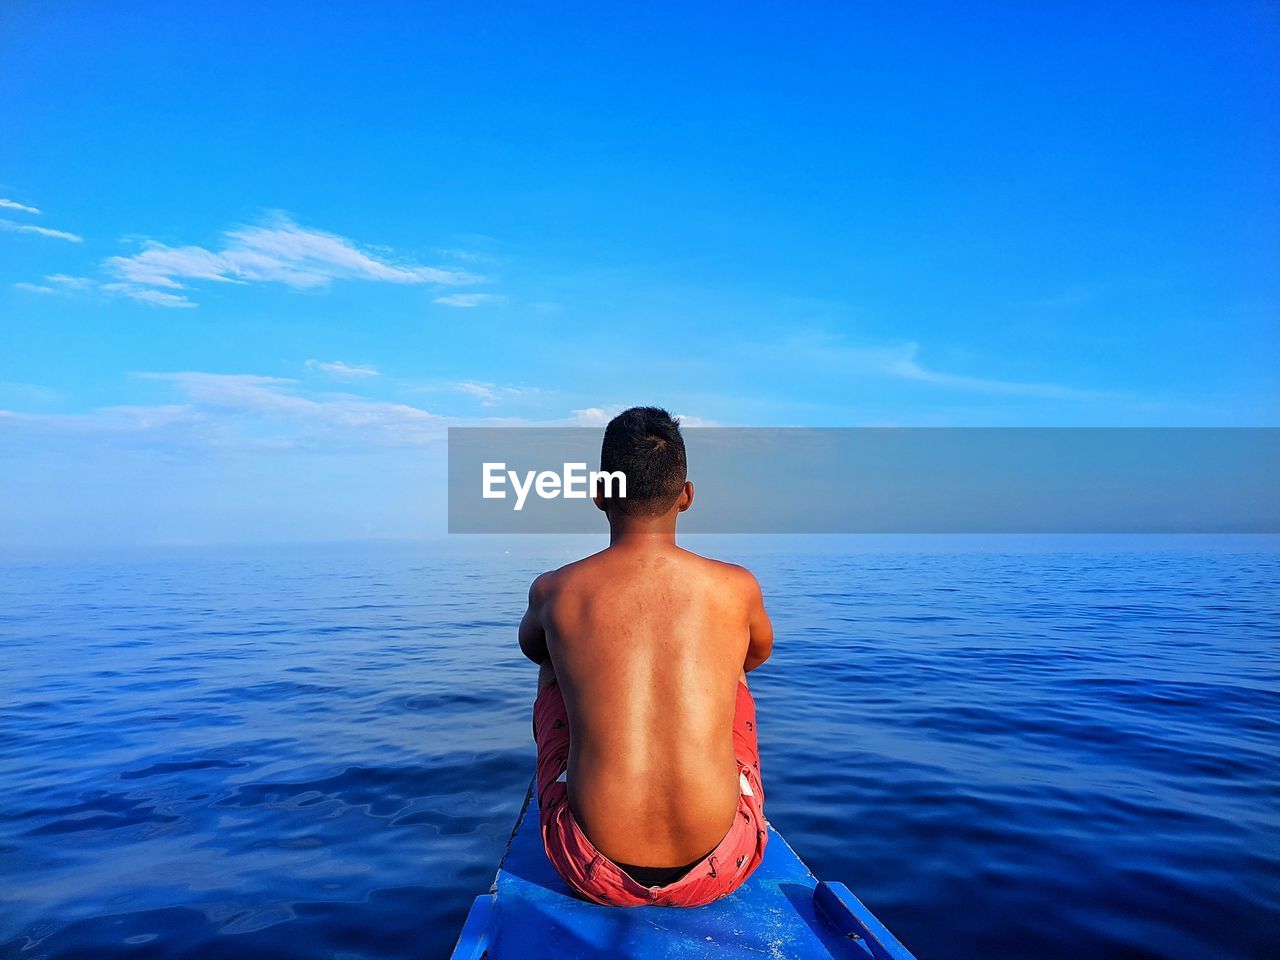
column 644, row 443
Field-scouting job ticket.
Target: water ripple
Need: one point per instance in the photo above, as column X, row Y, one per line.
column 1048, row 755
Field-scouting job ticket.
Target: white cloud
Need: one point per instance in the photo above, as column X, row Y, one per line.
column 490, row 394
column 158, row 265
column 28, row 392
column 41, row 231
column 905, row 366
column 468, row 299
column 600, row 417
column 154, row 298
column 287, row 253
column 56, row 283
column 339, row 369
column 279, row 251
column 823, row 354
column 68, row 282
column 466, row 256
column 226, row 412
column 593, row 416
column 690, row 421
column 105, row 423
column 250, row 410
column 15, row 205
column 482, row 391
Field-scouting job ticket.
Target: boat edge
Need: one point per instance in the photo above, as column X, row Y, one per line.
column 850, row 917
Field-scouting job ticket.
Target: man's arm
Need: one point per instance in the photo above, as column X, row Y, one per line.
column 761, row 643
column 533, row 638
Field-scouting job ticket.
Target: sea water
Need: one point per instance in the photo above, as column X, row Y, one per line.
column 1013, row 750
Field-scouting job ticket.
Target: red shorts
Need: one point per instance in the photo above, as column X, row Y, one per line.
column 598, row 878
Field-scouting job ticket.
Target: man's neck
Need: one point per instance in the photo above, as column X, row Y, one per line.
column 647, row 532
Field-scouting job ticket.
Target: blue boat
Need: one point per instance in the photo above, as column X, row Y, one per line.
column 782, row 911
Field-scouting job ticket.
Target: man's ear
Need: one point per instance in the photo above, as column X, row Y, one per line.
column 685, row 500
column 598, row 496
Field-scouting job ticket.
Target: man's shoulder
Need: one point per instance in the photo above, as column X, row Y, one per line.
column 546, row 585
column 729, row 574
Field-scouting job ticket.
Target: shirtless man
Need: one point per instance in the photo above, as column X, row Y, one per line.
column 648, row 771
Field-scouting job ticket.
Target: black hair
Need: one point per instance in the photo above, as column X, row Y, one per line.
column 645, row 444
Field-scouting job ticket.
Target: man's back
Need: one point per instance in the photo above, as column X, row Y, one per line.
column 648, row 643
column 648, row 766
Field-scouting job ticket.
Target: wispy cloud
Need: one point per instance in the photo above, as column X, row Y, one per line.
column 69, row 282
column 226, row 413
column 600, row 417
column 593, row 416
column 688, row 420
column 466, row 256
column 250, row 409
column 491, row 394
column 344, row 370
column 28, row 392
column 906, row 366
column 821, row 353
column 13, row 227
column 106, row 423
column 278, row 251
column 155, row 298
column 56, row 283
column 468, row 299
column 485, row 392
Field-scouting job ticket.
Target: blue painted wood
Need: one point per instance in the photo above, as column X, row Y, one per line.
column 782, row 911
column 850, row 917
column 473, row 941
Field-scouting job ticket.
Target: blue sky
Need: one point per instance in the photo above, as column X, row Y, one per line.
column 255, row 258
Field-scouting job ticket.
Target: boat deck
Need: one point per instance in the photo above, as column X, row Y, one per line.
column 782, row 911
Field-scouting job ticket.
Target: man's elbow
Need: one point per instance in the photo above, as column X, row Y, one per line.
column 535, row 648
